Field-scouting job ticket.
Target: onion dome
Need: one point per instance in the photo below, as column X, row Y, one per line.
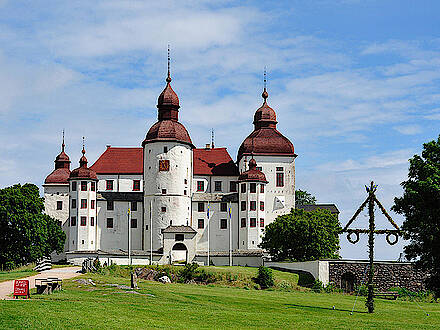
column 168, row 128
column 266, row 139
column 83, row 172
column 62, row 168
column 252, row 174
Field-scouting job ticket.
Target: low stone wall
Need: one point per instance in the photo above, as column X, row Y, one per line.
column 386, row 274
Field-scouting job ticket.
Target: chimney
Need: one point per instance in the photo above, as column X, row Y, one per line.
column 208, row 146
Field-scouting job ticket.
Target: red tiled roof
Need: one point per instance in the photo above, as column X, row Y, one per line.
column 120, row 161
column 216, row 161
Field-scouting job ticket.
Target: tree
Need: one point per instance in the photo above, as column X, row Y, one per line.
column 420, row 204
column 26, row 234
column 302, row 236
column 302, row 197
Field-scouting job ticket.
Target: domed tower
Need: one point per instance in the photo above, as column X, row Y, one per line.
column 252, row 205
column 167, row 170
column 276, row 158
column 56, row 190
column 83, row 207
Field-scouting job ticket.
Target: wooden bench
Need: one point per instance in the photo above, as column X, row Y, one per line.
column 48, row 285
column 390, row 295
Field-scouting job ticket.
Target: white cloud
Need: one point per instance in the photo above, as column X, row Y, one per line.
column 408, row 129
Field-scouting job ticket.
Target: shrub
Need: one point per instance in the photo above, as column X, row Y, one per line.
column 318, row 286
column 265, row 277
column 188, row 273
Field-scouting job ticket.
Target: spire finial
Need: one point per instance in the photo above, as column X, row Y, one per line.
column 168, row 80
column 212, row 138
column 265, row 94
column 84, row 150
column 63, row 145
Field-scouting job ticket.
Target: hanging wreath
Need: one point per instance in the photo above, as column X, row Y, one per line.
column 351, row 240
column 394, row 241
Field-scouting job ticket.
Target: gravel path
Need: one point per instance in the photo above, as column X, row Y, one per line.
column 7, row 288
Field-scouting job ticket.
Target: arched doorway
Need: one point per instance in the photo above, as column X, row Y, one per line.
column 348, row 282
column 179, row 253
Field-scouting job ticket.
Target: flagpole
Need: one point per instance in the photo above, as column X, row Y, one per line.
column 230, row 235
column 151, row 232
column 129, row 234
column 208, row 232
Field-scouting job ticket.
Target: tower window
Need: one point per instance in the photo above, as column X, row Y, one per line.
column 73, row 203
column 83, row 185
column 110, row 205
column 164, row 191
column 280, row 179
column 109, row 185
column 217, row 186
column 259, row 168
column 280, row 169
column 253, row 222
column 136, row 185
column 82, row 242
column 201, row 224
column 243, row 205
column 83, row 203
column 261, row 206
column 92, row 222
column 262, row 188
column 59, row 205
column 243, row 222
column 134, row 206
column 92, row 204
column 253, row 188
column 185, row 181
column 74, row 186
column 223, row 207
column 83, row 221
column 243, row 188
column 262, row 222
column 93, row 186
column 164, row 165
column 253, row 206
column 179, row 237
column 200, row 186
column 134, row 223
column 109, row 222
column 163, row 209
column 73, row 221
column 184, row 192
column 233, row 186
column 165, row 149
column 201, row 207
column 223, row 224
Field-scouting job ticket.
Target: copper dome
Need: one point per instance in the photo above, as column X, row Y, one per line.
column 167, row 130
column 62, row 168
column 83, row 172
column 252, row 174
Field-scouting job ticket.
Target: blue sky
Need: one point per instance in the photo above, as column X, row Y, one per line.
column 355, row 84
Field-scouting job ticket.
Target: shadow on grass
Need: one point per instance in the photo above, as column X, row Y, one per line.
column 323, row 308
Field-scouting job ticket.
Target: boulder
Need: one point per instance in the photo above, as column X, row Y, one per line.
column 164, row 279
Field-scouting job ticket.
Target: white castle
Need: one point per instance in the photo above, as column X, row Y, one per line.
column 181, row 202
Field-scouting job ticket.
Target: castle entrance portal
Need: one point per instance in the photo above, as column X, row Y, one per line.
column 179, row 253
column 348, row 282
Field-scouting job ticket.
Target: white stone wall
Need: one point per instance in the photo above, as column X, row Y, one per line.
column 268, row 164
column 121, row 182
column 177, row 183
column 209, row 183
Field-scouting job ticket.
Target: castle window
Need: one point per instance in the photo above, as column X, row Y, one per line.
column 109, row 185
column 73, row 221
column 253, row 206
column 163, row 209
column 243, row 205
column 223, row 207
column 280, row 169
column 253, row 188
column 165, row 149
column 200, row 186
column 83, row 203
column 179, row 237
column 233, row 186
column 201, row 224
column 243, row 188
column 134, row 206
column 223, row 224
column 262, row 188
column 280, row 179
column 259, row 168
column 74, row 186
column 59, row 205
column 73, row 203
column 184, row 192
column 136, row 185
column 109, row 222
column 253, row 222
column 83, row 221
column 110, row 205
column 164, row 191
column 201, row 207
column 93, row 186
column 217, row 186
column 92, row 222
column 185, row 181
column 243, row 222
column 83, row 185
column 134, row 223
column 92, row 204
column 164, row 165
column 262, row 222
column 261, row 206
column 82, row 242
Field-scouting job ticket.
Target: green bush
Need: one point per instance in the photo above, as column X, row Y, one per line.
column 265, row 277
column 188, row 273
column 318, row 286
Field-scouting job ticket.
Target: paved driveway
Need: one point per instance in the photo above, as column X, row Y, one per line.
column 7, row 288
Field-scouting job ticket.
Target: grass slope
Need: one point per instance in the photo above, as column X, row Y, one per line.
column 17, row 273
column 201, row 306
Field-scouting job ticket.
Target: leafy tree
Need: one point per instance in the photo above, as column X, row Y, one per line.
column 420, row 204
column 26, row 234
column 302, row 197
column 302, row 236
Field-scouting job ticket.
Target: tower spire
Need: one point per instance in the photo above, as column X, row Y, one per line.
column 212, row 138
column 265, row 94
column 63, row 145
column 83, row 150
column 168, row 80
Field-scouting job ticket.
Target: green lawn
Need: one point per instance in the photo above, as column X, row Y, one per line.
column 201, row 306
column 21, row 272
